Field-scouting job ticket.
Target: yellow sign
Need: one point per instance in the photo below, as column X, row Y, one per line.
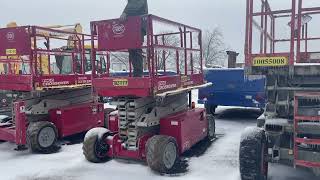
column 270, row 61
column 11, row 51
column 120, row 82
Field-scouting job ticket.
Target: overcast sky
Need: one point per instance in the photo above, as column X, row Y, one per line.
column 228, row 15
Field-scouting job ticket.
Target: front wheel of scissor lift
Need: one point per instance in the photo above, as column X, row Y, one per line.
column 162, row 153
column 42, row 137
column 253, row 155
column 94, row 146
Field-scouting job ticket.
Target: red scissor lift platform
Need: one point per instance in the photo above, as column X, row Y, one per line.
column 153, row 109
column 47, row 71
column 21, row 47
column 187, row 60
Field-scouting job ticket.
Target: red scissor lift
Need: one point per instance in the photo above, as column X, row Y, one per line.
column 281, row 44
column 50, row 87
column 156, row 121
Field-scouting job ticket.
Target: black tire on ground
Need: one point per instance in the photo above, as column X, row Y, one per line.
column 162, row 153
column 211, row 127
column 94, row 147
column 252, row 157
column 107, row 111
column 42, row 137
column 211, row 109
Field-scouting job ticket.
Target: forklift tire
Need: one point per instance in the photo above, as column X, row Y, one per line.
column 106, row 116
column 252, row 157
column 211, row 127
column 42, row 137
column 211, row 109
column 94, row 148
column 162, row 153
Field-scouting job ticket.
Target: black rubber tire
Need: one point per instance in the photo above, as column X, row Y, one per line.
column 92, row 146
column 155, row 149
column 211, row 127
column 211, row 109
column 252, row 157
column 107, row 111
column 33, row 131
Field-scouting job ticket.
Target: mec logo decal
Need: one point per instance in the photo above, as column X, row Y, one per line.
column 10, row 36
column 118, row 29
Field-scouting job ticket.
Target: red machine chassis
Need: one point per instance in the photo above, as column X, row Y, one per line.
column 188, row 128
column 68, row 120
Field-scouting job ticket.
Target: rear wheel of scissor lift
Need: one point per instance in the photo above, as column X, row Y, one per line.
column 162, row 153
column 253, row 155
column 94, row 146
column 42, row 137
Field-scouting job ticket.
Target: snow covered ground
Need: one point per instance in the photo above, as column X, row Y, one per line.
column 219, row 161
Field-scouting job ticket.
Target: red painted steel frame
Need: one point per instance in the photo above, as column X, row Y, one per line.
column 16, row 134
column 69, row 120
column 187, row 127
column 297, row 36
column 109, row 33
column 78, row 118
column 21, row 43
column 297, row 140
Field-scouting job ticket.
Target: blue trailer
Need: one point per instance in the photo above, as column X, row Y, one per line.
column 232, row 88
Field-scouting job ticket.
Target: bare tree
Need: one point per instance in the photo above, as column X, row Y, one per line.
column 214, row 48
column 164, row 55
